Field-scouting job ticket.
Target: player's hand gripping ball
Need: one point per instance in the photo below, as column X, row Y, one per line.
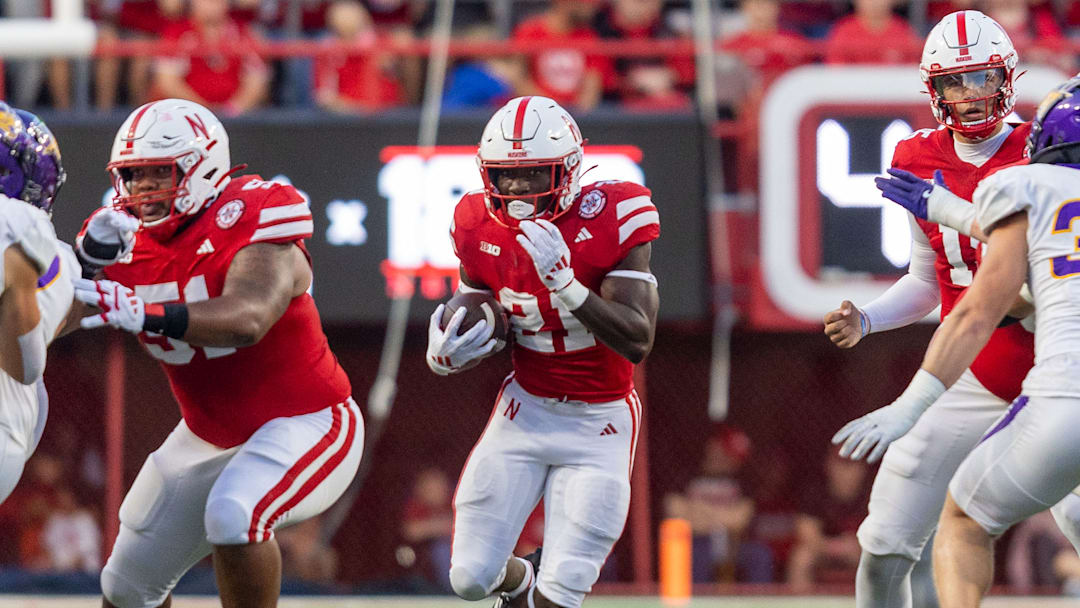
column 478, row 306
column 463, row 331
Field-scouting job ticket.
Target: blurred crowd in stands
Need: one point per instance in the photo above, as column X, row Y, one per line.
column 371, row 71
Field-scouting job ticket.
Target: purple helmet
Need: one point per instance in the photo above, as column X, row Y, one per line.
column 30, row 168
column 1055, row 132
column 41, row 163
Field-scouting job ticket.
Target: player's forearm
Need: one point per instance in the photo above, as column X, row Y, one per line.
column 905, row 302
column 230, row 321
column 622, row 328
column 22, row 338
column 958, row 341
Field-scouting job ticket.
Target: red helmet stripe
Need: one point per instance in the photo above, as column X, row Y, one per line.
column 134, row 124
column 519, row 121
column 961, row 32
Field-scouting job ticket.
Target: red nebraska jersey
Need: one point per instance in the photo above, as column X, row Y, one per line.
column 554, row 354
column 225, row 394
column 1010, row 353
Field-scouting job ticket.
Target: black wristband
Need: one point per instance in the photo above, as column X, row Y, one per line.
column 89, row 269
column 169, row 320
column 101, row 251
column 1007, row 321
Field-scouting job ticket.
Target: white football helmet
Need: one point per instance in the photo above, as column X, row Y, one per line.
column 969, row 56
column 531, row 132
column 179, row 134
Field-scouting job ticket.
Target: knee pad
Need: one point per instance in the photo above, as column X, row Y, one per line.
column 227, row 522
column 472, row 583
column 123, row 594
column 597, row 504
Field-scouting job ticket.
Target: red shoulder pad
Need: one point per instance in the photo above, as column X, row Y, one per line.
column 469, row 214
column 636, row 219
column 911, row 152
column 269, row 212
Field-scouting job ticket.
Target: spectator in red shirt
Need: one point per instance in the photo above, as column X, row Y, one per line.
column 1034, row 32
column 427, row 525
column 765, row 48
column 129, row 20
column 643, row 82
column 229, row 84
column 565, row 74
column 362, row 81
column 873, row 34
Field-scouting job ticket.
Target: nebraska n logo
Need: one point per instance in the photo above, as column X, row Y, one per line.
column 512, row 409
column 198, row 126
column 609, row 430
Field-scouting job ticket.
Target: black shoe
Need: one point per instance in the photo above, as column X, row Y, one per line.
column 503, row 601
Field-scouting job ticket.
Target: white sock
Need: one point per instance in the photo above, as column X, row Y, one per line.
column 526, row 581
column 883, row 581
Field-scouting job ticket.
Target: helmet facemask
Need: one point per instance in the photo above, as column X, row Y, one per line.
column 548, row 198
column 176, row 199
column 972, row 101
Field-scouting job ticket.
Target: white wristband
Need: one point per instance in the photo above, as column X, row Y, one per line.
column 945, row 208
column 573, row 295
column 922, row 392
column 32, row 346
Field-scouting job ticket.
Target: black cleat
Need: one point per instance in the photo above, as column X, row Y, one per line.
column 503, row 601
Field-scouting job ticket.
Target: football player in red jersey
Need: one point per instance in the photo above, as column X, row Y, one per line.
column 215, row 286
column 570, row 265
column 968, row 65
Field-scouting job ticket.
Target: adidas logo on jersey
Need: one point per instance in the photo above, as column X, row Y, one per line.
column 583, row 235
column 609, row 430
column 206, row 247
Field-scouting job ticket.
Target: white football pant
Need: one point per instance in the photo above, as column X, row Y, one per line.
column 578, row 457
column 191, row 495
column 23, row 412
column 1028, row 463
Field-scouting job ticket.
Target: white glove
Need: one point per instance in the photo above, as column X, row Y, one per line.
column 544, row 243
column 107, row 228
column 883, row 426
column 120, row 307
column 449, row 353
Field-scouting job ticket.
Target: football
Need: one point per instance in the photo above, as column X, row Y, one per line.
column 479, row 305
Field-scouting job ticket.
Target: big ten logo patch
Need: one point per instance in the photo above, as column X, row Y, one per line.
column 422, row 187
